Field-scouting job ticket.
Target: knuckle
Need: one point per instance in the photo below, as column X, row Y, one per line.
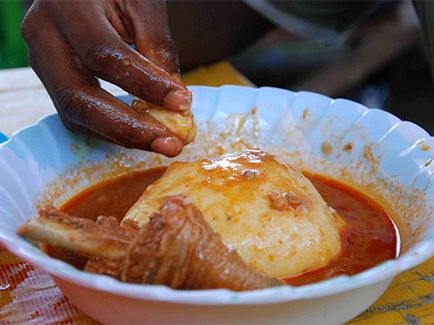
column 169, row 39
column 28, row 32
column 68, row 103
column 167, row 44
column 170, row 50
column 169, row 54
column 67, row 123
column 100, row 56
column 32, row 21
column 94, row 54
column 164, row 40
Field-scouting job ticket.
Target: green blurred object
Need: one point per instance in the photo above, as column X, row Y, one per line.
column 13, row 50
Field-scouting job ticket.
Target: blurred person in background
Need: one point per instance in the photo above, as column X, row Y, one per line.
column 73, row 42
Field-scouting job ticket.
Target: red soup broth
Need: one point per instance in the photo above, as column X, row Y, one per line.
column 370, row 238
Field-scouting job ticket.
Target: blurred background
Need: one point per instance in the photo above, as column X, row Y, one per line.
column 380, row 62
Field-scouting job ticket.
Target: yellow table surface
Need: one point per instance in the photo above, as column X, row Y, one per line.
column 28, row 295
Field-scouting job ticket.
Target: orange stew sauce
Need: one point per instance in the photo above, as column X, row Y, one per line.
column 370, row 238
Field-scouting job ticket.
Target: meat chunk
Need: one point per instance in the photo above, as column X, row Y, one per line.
column 265, row 210
column 176, row 248
column 81, row 236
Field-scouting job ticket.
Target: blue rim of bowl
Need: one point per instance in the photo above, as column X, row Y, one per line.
column 3, row 137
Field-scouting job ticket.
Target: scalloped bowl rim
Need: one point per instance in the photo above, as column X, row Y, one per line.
column 420, row 252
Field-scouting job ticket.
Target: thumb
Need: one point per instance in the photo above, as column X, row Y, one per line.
column 152, row 36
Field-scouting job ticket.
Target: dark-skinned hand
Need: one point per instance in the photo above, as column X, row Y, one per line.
column 71, row 43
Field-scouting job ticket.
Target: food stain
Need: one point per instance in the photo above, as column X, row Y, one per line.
column 424, row 147
column 220, row 150
column 240, row 125
column 305, row 114
column 369, row 156
column 348, row 147
column 326, row 148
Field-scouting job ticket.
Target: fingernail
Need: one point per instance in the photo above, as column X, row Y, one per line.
column 178, row 100
column 168, row 146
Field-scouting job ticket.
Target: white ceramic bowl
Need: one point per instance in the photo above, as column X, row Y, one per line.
column 389, row 160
